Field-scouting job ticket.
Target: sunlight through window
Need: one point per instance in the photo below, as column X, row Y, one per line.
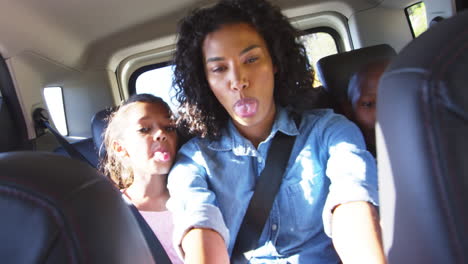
column 158, row 82
column 54, row 100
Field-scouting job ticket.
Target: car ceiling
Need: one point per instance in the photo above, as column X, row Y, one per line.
column 87, row 33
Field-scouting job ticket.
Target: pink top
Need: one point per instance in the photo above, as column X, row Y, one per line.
column 162, row 226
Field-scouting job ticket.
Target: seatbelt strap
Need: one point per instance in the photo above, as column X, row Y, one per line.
column 159, row 254
column 266, row 188
column 67, row 146
column 42, row 121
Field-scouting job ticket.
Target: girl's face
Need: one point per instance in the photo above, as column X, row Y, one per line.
column 240, row 72
column 148, row 140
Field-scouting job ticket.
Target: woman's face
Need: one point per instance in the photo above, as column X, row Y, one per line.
column 149, row 138
column 240, row 73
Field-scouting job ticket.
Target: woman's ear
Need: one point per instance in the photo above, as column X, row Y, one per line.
column 119, row 150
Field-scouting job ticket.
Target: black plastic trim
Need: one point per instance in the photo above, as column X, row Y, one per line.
column 10, row 98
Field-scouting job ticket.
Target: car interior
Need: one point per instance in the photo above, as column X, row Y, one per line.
column 66, row 65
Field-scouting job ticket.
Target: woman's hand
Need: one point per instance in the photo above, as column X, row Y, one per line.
column 204, row 246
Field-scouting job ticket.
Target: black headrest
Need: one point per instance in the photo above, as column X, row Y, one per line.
column 59, row 210
column 335, row 71
column 98, row 125
column 422, row 113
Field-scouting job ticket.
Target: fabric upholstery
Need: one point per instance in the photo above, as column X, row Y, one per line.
column 86, row 148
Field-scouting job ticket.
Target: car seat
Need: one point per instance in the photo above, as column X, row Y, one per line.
column 422, row 146
column 59, row 210
column 335, row 71
column 98, row 126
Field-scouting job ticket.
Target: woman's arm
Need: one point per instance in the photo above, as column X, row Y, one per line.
column 356, row 233
column 204, row 246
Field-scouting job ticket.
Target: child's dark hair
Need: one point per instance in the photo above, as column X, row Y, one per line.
column 200, row 111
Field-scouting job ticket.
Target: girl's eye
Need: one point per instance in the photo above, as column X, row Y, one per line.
column 170, row 128
column 219, row 69
column 144, row 130
column 367, row 104
column 251, row 60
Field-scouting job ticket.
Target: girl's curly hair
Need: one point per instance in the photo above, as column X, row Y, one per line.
column 200, row 112
column 112, row 165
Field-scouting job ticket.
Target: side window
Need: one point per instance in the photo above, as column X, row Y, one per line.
column 54, row 100
column 156, row 80
column 416, row 15
column 319, row 43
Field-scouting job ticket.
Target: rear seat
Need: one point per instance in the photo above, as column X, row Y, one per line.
column 335, row 71
column 85, row 147
column 98, row 125
column 91, row 148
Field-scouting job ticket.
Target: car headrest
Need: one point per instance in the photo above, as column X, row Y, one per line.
column 422, row 113
column 60, row 210
column 335, row 71
column 98, row 125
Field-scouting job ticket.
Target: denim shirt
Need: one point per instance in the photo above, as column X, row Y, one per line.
column 212, row 182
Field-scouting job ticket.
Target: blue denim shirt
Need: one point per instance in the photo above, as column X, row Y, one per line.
column 212, row 182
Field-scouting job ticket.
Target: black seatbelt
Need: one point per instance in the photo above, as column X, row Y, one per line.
column 265, row 192
column 42, row 121
column 157, row 250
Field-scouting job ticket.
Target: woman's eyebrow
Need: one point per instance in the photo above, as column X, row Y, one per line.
column 143, row 118
column 251, row 47
column 214, row 59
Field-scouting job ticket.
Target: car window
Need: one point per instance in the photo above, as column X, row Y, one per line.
column 158, row 81
column 54, row 99
column 416, row 15
column 319, row 43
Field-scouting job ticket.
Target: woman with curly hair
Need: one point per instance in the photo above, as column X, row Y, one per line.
column 141, row 144
column 240, row 75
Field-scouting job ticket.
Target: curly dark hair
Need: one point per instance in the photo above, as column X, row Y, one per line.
column 200, row 112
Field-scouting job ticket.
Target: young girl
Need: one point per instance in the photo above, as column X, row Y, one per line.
column 141, row 144
column 238, row 66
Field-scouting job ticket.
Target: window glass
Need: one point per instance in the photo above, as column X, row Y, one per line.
column 318, row 45
column 158, row 82
column 54, row 100
column 416, row 15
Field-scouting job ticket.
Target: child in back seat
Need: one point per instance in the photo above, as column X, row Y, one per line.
column 141, row 143
column 362, row 95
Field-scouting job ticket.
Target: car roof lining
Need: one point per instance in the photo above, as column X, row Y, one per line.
column 90, row 33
